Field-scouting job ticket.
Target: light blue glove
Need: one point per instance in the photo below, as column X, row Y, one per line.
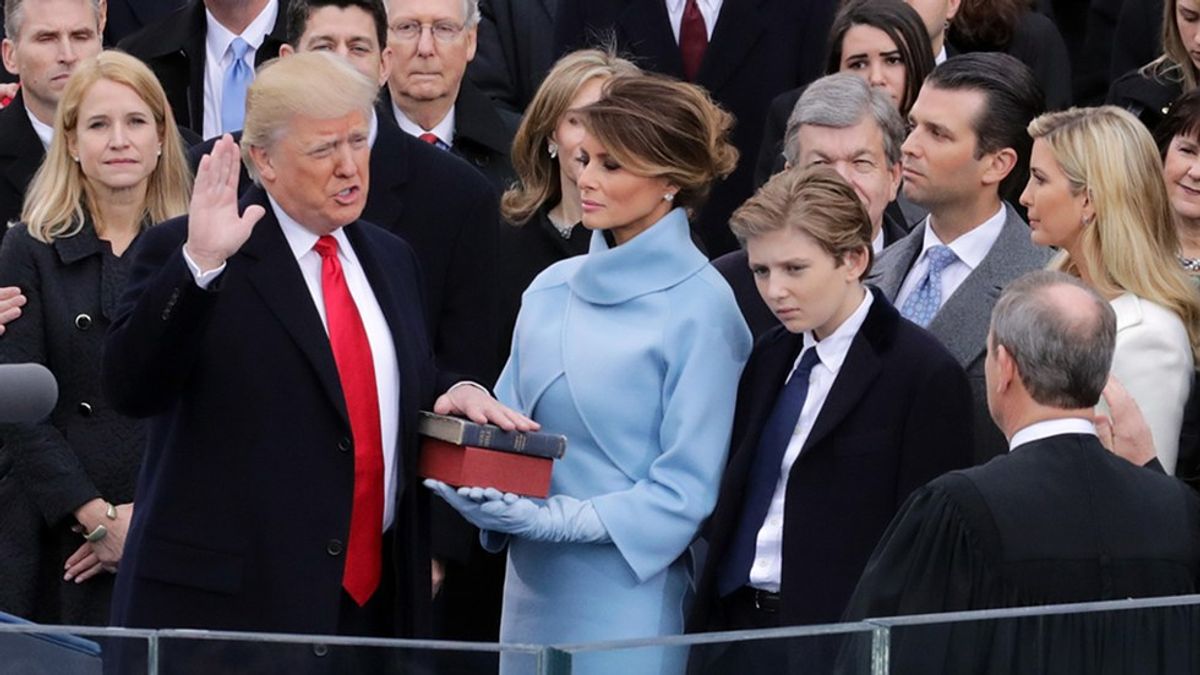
column 559, row 519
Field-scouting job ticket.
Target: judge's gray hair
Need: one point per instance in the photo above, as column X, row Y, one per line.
column 1063, row 347
column 299, row 85
column 841, row 101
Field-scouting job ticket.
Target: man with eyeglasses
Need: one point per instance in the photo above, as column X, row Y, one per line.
column 432, row 42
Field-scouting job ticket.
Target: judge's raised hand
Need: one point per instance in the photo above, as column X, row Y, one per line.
column 215, row 230
column 1124, row 431
column 476, row 404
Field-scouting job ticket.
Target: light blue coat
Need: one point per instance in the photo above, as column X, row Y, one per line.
column 634, row 352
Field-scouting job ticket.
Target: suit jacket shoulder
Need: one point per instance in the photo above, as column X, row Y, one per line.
column 21, row 154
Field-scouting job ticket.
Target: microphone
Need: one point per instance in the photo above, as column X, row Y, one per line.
column 28, row 392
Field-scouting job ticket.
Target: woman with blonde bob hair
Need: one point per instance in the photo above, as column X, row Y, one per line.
column 114, row 167
column 632, row 351
column 1096, row 192
column 542, row 208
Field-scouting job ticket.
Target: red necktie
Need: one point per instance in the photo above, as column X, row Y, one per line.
column 429, row 138
column 356, row 369
column 693, row 39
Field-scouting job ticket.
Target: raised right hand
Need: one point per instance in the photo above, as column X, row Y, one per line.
column 215, row 230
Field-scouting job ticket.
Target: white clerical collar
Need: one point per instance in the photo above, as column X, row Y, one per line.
column 1047, row 428
column 444, row 130
column 45, row 132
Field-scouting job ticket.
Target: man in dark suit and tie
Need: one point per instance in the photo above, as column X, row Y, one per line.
column 205, row 55
column 744, row 52
column 1058, row 519
column 432, row 43
column 842, row 122
column 966, row 148
column 46, row 39
column 126, row 17
column 281, row 366
column 516, row 50
column 842, row 411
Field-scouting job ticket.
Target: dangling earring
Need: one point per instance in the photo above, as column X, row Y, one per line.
column 552, row 148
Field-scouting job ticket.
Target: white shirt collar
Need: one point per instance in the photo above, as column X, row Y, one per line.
column 218, row 36
column 444, row 130
column 1047, row 428
column 709, row 6
column 877, row 244
column 45, row 132
column 301, row 239
column 941, row 56
column 833, row 349
column 372, row 129
column 972, row 247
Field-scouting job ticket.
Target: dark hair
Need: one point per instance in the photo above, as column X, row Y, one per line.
column 1063, row 353
column 1012, row 98
column 902, row 24
column 986, row 24
column 1182, row 120
column 299, row 11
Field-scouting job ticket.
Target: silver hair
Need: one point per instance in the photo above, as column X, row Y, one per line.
column 470, row 12
column 840, row 101
column 1063, row 353
column 14, row 16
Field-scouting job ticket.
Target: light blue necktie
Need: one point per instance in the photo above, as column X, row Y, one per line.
column 923, row 304
column 233, row 89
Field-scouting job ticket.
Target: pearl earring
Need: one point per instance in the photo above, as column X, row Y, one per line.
column 75, row 158
column 552, row 148
column 670, row 196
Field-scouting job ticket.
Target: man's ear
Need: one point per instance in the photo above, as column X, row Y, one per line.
column 262, row 163
column 8, row 51
column 286, row 49
column 999, row 164
column 1006, row 368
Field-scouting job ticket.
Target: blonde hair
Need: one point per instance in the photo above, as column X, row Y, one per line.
column 815, row 201
column 656, row 126
column 538, row 173
column 1175, row 64
column 60, row 198
column 1131, row 245
column 300, row 84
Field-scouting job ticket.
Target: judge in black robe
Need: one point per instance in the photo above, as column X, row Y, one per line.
column 1059, row 519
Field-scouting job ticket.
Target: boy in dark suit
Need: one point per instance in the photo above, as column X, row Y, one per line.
column 873, row 408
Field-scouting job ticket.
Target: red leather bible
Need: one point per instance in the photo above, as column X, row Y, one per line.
column 469, row 466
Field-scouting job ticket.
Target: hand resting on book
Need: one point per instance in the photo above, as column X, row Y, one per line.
column 557, row 519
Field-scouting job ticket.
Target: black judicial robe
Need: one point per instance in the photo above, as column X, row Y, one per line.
column 1059, row 520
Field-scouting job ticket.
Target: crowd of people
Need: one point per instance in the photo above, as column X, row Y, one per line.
column 844, row 309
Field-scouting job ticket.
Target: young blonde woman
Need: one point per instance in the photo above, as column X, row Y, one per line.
column 1096, row 193
column 115, row 166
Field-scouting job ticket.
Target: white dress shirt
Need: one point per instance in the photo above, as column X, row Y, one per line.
column 877, row 242
column 709, row 9
column 767, row 569
column 444, row 130
column 1047, row 428
column 379, row 335
column 970, row 249
column 218, row 58
column 45, row 132
column 941, row 56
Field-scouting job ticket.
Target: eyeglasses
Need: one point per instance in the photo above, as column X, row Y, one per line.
column 443, row 31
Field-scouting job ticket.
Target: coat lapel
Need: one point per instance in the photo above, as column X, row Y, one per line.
column 778, row 350
column 859, row 370
column 272, row 271
column 738, row 28
column 389, row 172
column 647, row 31
column 895, row 262
column 23, row 146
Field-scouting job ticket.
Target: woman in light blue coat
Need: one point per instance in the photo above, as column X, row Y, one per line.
column 634, row 352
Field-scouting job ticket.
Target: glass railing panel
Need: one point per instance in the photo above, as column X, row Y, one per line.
column 28, row 649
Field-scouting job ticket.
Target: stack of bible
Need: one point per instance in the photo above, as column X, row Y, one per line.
column 460, row 452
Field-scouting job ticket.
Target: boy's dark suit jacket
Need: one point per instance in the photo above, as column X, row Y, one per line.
column 898, row 415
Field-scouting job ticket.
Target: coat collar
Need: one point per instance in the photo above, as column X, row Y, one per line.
column 85, row 243
column 21, row 143
column 658, row 258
